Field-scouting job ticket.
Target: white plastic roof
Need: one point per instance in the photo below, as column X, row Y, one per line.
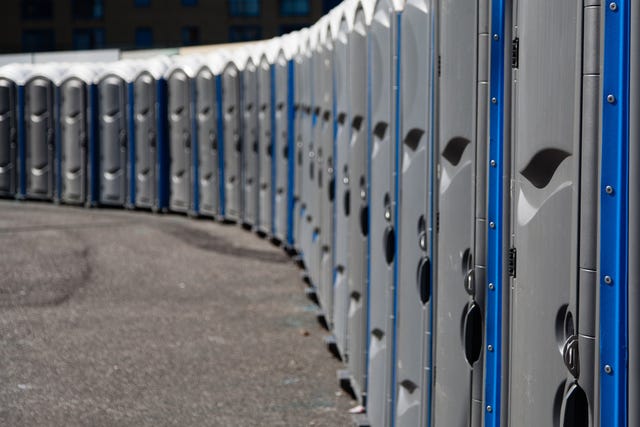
column 15, row 72
column 189, row 64
column 85, row 71
column 127, row 69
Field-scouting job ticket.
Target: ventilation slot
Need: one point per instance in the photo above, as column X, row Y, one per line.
column 413, row 138
column 473, row 334
column 455, row 149
column 357, row 123
column 543, row 165
column 380, row 130
column 424, row 280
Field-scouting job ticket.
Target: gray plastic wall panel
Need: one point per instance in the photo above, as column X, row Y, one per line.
column 282, row 148
column 459, row 294
column 357, row 205
column 264, row 147
column 74, row 141
column 250, row 141
column 634, row 220
column 179, row 121
column 40, row 138
column 232, row 141
column 113, row 140
column 546, row 109
column 313, row 130
column 8, row 138
column 146, row 136
column 415, row 217
column 341, row 289
column 206, row 111
column 326, row 182
column 383, row 65
column 307, row 201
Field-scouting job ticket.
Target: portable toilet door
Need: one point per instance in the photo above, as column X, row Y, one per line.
column 148, row 138
column 415, row 214
column 551, row 245
column 76, row 98
column 324, row 200
column 384, row 47
column 232, row 143
column 10, row 78
column 265, row 147
column 113, row 134
column 281, row 149
column 206, row 117
column 461, row 266
column 40, row 134
column 341, row 289
column 182, row 134
column 250, row 151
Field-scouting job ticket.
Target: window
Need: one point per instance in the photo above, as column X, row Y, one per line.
column 142, row 3
column 38, row 40
column 327, row 5
column 190, row 36
column 88, row 9
column 144, row 37
column 88, row 38
column 244, row 7
column 289, row 28
column 241, row 33
column 294, row 7
column 189, row 2
column 37, row 9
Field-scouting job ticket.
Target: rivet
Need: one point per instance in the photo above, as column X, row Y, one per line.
column 490, row 347
column 611, row 99
column 496, row 37
column 387, row 215
column 330, row 171
column 608, row 369
column 489, row 408
column 363, row 194
column 613, row 6
column 492, row 224
column 491, row 286
column 608, row 189
column 608, row 280
column 494, row 100
column 493, row 163
column 423, row 242
column 345, row 180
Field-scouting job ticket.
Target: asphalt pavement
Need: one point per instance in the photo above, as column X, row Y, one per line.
column 116, row 318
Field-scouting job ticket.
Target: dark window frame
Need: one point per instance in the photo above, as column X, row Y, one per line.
column 36, row 14
column 240, row 8
column 282, row 4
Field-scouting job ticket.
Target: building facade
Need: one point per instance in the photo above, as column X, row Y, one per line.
column 47, row 25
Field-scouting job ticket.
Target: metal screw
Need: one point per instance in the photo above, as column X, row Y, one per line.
column 345, row 180
column 613, row 6
column 608, row 369
column 608, row 280
column 490, row 347
column 423, row 242
column 491, row 286
column 492, row 224
column 363, row 194
column 493, row 163
column 608, row 189
column 494, row 100
column 611, row 99
column 387, row 215
column 330, row 171
column 489, row 408
column 496, row 37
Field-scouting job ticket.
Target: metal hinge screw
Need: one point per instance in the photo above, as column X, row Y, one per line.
column 493, row 163
column 608, row 369
column 489, row 408
column 613, row 6
column 608, row 280
column 611, row 99
column 492, row 224
column 496, row 37
column 491, row 286
column 494, row 100
column 608, row 189
column 490, row 347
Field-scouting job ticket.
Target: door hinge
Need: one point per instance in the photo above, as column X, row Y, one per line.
column 515, row 53
column 512, row 262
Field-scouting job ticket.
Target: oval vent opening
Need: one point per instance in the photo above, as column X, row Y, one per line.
column 543, row 165
column 455, row 149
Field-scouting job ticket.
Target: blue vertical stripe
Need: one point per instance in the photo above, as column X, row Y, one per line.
column 291, row 150
column 274, row 140
column 614, row 217
column 162, row 153
column 493, row 371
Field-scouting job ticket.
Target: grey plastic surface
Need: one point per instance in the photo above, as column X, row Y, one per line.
column 281, row 147
column 383, row 63
column 546, row 110
column 146, row 138
column 264, row 146
column 74, row 140
column 326, row 177
column 250, row 141
column 113, row 140
column 357, row 202
column 415, row 217
column 206, row 113
column 8, row 138
column 341, row 288
column 462, row 136
column 231, row 78
column 179, row 132
column 39, row 113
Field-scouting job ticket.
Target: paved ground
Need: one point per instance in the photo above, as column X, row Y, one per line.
column 113, row 318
